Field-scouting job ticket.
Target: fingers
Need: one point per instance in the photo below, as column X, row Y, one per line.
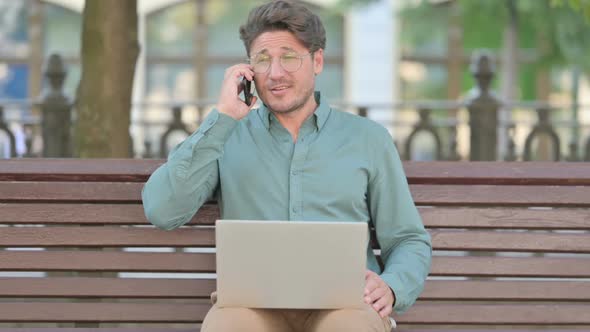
column 370, row 286
column 377, row 294
column 254, row 100
column 380, row 303
column 239, row 71
column 369, row 274
column 229, row 101
column 386, row 311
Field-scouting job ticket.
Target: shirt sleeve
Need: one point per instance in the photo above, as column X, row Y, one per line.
column 406, row 247
column 178, row 188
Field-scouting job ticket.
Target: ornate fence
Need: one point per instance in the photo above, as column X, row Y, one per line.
column 423, row 130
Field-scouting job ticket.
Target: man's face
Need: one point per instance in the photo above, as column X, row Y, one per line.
column 283, row 90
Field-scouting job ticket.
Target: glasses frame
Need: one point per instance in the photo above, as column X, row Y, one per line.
column 298, row 56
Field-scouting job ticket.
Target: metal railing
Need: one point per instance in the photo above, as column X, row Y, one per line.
column 422, row 130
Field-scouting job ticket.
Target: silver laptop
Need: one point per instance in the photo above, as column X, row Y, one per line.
column 291, row 265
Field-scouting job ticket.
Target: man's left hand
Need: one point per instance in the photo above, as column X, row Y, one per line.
column 378, row 294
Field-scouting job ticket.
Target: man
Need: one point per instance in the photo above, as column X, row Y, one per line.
column 295, row 158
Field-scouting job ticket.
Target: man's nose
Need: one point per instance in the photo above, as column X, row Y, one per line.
column 276, row 70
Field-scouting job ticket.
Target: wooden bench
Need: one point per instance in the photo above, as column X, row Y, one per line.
column 511, row 240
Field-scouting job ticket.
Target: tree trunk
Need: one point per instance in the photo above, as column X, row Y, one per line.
column 103, row 101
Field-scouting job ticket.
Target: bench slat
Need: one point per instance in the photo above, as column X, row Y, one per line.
column 478, row 290
column 510, row 241
column 103, row 312
column 89, row 213
column 440, row 217
column 421, row 313
column 458, row 290
column 106, row 237
column 104, row 192
column 466, row 195
column 463, row 195
column 203, row 262
column 88, row 287
column 79, row 170
column 498, row 173
column 506, row 217
column 106, row 261
column 439, row 172
column 205, row 237
column 481, row 266
column 501, row 314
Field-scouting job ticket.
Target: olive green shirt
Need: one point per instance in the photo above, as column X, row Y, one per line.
column 341, row 168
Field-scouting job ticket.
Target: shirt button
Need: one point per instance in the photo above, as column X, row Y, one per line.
column 294, row 209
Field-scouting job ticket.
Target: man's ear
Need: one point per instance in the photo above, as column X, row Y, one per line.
column 318, row 61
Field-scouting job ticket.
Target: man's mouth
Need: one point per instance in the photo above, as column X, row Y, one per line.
column 279, row 89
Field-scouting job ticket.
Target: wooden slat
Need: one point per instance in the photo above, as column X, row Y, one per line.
column 109, row 329
column 492, row 290
column 465, row 195
column 106, row 287
column 421, row 313
column 151, row 329
column 497, row 314
column 103, row 312
column 435, row 328
column 439, row 290
column 438, row 172
column 439, row 217
column 199, row 262
column 510, row 241
column 506, row 217
column 105, row 192
column 85, row 170
column 106, row 261
column 498, row 173
column 106, row 237
column 205, row 237
column 113, row 329
column 570, row 328
column 87, row 213
column 480, row 266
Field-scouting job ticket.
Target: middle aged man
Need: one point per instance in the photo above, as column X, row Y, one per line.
column 295, row 158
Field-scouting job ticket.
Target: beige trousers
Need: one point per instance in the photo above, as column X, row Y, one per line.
column 294, row 320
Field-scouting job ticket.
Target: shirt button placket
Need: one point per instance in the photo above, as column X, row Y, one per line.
column 295, row 183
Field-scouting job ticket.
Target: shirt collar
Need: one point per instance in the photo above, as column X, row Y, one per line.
column 320, row 115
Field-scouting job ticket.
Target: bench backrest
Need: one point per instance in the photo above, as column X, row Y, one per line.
column 511, row 240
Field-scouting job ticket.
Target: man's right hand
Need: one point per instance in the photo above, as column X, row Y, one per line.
column 229, row 102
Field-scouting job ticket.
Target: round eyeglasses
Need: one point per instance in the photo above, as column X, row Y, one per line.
column 290, row 62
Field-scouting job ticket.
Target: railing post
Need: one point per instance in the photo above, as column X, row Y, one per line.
column 56, row 111
column 12, row 140
column 483, row 106
column 175, row 125
column 543, row 127
column 363, row 111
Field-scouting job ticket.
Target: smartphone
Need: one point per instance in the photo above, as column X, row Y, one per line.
column 247, row 88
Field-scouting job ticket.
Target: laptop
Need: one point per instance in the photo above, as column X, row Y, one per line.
column 291, row 264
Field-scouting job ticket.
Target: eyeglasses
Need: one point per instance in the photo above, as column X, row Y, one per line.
column 290, row 62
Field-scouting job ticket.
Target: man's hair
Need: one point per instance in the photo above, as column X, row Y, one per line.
column 287, row 15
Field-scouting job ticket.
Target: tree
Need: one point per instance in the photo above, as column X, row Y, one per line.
column 103, row 100
column 578, row 5
column 559, row 35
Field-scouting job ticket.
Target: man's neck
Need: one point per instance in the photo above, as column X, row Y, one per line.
column 293, row 121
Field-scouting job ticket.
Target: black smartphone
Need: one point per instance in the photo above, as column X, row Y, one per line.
column 247, row 87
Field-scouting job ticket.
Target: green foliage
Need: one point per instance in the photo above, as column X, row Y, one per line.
column 582, row 6
column 554, row 32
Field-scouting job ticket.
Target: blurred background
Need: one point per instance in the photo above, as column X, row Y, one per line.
column 421, row 68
